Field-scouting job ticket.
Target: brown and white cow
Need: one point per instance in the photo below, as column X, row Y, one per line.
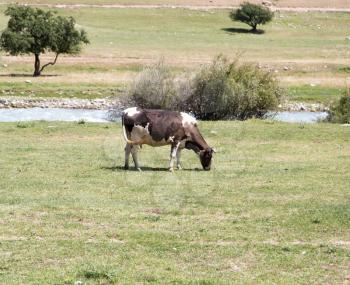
column 159, row 128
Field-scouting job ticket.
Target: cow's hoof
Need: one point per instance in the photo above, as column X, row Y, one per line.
column 171, row 169
column 138, row 169
column 179, row 167
column 126, row 167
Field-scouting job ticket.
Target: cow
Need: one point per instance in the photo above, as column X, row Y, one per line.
column 160, row 128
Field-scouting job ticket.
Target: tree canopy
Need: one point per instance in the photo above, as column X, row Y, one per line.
column 252, row 14
column 36, row 31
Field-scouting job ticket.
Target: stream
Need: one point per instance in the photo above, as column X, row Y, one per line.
column 102, row 116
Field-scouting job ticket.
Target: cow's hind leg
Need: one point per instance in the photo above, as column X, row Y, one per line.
column 134, row 149
column 173, row 153
column 178, row 156
column 127, row 149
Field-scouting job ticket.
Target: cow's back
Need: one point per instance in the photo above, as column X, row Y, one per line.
column 164, row 125
column 154, row 127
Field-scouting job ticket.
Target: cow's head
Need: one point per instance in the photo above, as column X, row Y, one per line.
column 206, row 157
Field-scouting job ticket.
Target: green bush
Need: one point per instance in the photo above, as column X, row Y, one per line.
column 252, row 14
column 340, row 111
column 227, row 90
column 222, row 90
column 154, row 88
column 211, row 93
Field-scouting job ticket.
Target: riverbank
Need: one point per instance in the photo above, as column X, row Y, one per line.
column 107, row 103
column 89, row 104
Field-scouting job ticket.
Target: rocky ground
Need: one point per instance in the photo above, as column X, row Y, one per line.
column 105, row 104
column 94, row 104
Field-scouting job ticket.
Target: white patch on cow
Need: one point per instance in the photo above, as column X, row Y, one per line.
column 146, row 128
column 131, row 111
column 138, row 133
column 171, row 139
column 188, row 119
column 142, row 135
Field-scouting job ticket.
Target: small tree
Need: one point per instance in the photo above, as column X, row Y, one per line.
column 252, row 14
column 35, row 31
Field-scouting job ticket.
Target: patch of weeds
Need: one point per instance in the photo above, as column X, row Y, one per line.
column 25, row 148
column 99, row 272
column 81, row 122
column 152, row 218
column 345, row 69
column 175, row 212
column 330, row 250
column 3, row 268
column 149, row 278
column 196, row 282
column 316, row 221
column 24, row 125
column 286, row 249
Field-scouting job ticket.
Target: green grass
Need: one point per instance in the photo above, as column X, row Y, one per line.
column 66, row 90
column 313, row 45
column 138, row 32
column 274, row 209
column 307, row 93
column 186, row 33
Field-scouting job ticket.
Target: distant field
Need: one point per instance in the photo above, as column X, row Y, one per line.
column 302, row 48
column 306, row 93
column 278, row 3
column 275, row 208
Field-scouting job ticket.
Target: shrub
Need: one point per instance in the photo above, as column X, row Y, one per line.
column 340, row 111
column 154, row 88
column 252, row 14
column 226, row 90
column 210, row 96
column 221, row 90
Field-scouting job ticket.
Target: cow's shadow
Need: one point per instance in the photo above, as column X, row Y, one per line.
column 145, row 169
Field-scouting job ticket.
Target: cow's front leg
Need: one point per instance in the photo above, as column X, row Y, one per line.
column 173, row 152
column 127, row 149
column 134, row 149
column 178, row 156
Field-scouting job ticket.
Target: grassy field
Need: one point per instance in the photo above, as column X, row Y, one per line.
column 307, row 93
column 274, row 210
column 302, row 48
column 55, row 90
column 277, row 3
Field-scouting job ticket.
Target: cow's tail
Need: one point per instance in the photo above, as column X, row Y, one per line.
column 124, row 133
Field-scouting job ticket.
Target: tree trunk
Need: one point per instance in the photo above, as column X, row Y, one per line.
column 254, row 28
column 37, row 70
column 49, row 63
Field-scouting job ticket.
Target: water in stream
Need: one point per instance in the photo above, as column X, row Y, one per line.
column 101, row 116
